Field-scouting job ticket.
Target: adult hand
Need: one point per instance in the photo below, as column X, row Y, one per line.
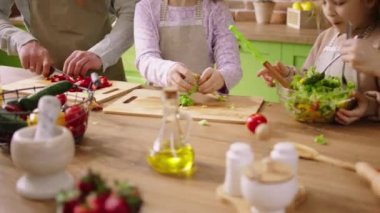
column 210, row 81
column 361, row 55
column 269, row 80
column 346, row 117
column 181, row 77
column 36, row 58
column 80, row 62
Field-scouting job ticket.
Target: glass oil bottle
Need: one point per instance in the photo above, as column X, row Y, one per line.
column 171, row 154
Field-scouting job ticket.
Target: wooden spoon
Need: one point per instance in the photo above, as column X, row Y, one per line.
column 370, row 174
column 363, row 169
column 309, row 153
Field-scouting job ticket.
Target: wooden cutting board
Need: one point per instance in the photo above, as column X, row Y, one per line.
column 117, row 89
column 145, row 102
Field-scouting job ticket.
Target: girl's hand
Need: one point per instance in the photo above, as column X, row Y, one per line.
column 346, row 117
column 181, row 78
column 279, row 67
column 210, row 81
column 362, row 56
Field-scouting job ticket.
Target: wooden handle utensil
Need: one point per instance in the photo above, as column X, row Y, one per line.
column 363, row 169
column 275, row 74
column 309, row 153
column 370, row 174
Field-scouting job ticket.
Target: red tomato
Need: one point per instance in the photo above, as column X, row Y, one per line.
column 75, row 115
column 104, row 82
column 62, row 98
column 78, row 131
column 254, row 121
column 12, row 108
column 84, row 82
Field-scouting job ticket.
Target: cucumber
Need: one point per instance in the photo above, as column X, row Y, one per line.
column 9, row 122
column 31, row 102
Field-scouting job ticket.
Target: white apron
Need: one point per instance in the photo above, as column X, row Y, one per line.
column 185, row 42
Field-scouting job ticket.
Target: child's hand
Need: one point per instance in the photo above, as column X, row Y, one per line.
column 210, row 81
column 362, row 56
column 280, row 68
column 347, row 117
column 181, row 77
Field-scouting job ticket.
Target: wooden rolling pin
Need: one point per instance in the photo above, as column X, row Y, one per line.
column 364, row 170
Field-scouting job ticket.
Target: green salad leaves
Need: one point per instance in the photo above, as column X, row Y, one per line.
column 315, row 97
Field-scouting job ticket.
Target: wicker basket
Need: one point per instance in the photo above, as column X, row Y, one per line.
column 16, row 117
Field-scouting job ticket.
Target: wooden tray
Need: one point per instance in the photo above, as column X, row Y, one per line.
column 117, row 89
column 145, row 102
column 242, row 206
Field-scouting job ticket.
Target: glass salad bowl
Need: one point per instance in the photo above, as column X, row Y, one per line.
column 315, row 98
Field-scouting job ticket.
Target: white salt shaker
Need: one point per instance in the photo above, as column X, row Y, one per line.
column 285, row 153
column 238, row 156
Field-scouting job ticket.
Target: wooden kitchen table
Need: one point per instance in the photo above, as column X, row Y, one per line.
column 117, row 147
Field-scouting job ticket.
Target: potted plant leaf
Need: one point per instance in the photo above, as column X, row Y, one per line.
column 263, row 10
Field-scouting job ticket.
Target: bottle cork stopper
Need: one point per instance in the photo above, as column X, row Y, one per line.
column 170, row 93
column 269, row 171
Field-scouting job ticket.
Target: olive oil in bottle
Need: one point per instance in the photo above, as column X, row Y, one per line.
column 171, row 154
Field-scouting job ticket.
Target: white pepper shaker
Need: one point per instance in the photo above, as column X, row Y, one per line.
column 286, row 153
column 238, row 156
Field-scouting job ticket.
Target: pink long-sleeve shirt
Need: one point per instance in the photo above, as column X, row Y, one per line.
column 222, row 46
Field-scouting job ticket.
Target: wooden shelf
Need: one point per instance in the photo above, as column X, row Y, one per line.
column 277, row 33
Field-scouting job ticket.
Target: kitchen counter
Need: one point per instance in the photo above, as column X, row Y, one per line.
column 117, row 147
column 277, row 33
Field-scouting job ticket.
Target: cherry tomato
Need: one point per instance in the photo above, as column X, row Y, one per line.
column 84, row 82
column 12, row 108
column 62, row 98
column 254, row 120
column 16, row 108
column 75, row 115
column 104, row 82
column 78, row 131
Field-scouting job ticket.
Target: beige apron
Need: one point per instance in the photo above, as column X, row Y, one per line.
column 185, row 43
column 338, row 68
column 63, row 26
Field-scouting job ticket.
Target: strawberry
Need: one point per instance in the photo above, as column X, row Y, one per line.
column 82, row 209
column 116, row 204
column 85, row 187
column 92, row 183
column 68, row 200
column 130, row 195
column 97, row 201
column 68, row 206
